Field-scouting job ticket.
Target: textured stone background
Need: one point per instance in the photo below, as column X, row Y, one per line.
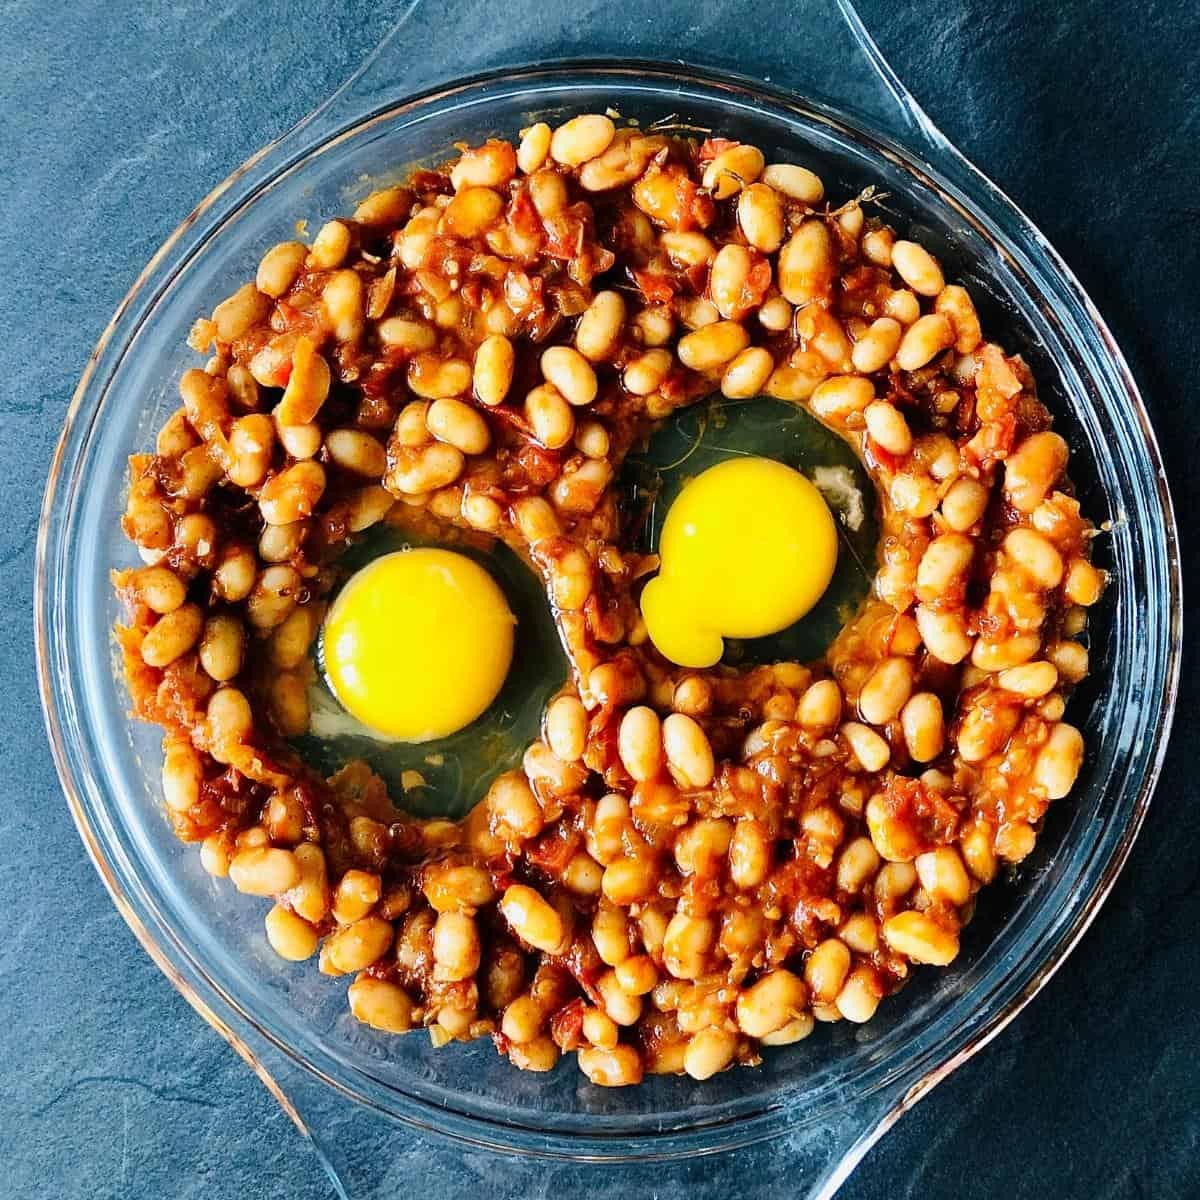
column 114, row 119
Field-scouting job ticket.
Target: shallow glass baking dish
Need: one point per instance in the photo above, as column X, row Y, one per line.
column 841, row 112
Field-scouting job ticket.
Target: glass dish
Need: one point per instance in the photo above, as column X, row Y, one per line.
column 832, row 1095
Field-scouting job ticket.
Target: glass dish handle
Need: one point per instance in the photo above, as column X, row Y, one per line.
column 826, row 55
column 370, row 1155
column 819, row 49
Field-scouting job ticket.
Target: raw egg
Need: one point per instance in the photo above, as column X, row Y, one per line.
column 418, row 643
column 747, row 548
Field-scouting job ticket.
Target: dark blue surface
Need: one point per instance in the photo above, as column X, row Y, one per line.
column 114, row 120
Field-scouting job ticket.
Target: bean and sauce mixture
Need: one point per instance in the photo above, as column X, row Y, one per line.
column 691, row 865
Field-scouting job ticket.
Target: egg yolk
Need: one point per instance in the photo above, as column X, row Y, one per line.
column 748, row 547
column 418, row 643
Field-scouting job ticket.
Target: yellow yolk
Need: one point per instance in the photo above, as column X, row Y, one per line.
column 418, row 643
column 747, row 548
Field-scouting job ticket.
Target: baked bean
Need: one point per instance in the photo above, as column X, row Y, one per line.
column 943, row 566
column 491, row 165
column 797, row 183
column 533, row 920
column 760, row 215
column 548, row 191
column 821, row 705
column 581, row 489
column 727, row 279
column 307, row 386
column 240, row 312
column 386, row 206
column 858, row 863
column 640, row 743
column 1032, row 469
column 222, row 646
column 401, row 333
column 923, row 340
column 840, row 396
column 955, row 304
column 1007, row 652
column 514, row 812
column 921, row 939
column 918, row 268
column 343, row 305
column 550, row 417
column 712, row 347
column 280, row 543
column 869, row 749
column 1030, row 680
column 771, row 1003
column 534, row 147
column 182, row 774
column 709, row 1051
column 619, row 1067
column 1084, row 583
column 273, row 597
column 732, row 170
column 686, row 945
column 1036, row 555
column 434, row 378
column 877, row 346
column 924, row 727
column 888, row 428
column 523, row 1020
column 355, row 947
column 796, row 1030
column 1059, row 761
column 886, row 691
column 1070, row 659
column 422, row 469
column 458, row 424
column 366, row 507
column 645, row 373
column 689, row 754
column 356, row 451
column 470, row 212
column 581, row 138
column 610, row 933
column 944, row 634
column 964, row 504
column 943, row 875
column 903, row 306
column 291, row 937
column 570, row 373
column 158, row 588
column 747, row 374
column 172, row 635
column 592, row 440
column 279, row 267
column 628, row 880
column 264, row 871
column 380, row 1004
column 796, row 382
column 292, row 494
column 775, row 314
column 654, row 326
column 806, row 265
column 877, row 246
column 566, row 728
column 300, row 441
column 860, row 995
column 621, row 1007
column 456, row 947
column 599, row 327
column 826, row 968
column 330, row 246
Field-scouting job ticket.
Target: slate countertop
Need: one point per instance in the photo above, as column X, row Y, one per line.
column 114, row 119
